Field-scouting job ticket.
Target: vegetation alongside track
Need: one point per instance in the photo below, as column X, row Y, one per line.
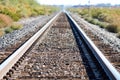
column 107, row 18
column 13, row 10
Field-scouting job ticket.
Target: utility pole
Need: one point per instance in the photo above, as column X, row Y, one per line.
column 89, row 12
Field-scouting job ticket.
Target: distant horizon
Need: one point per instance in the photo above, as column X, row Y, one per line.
column 78, row 2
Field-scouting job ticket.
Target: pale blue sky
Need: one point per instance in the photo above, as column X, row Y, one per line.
column 76, row 2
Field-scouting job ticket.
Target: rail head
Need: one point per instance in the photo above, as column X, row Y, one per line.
column 108, row 67
column 10, row 61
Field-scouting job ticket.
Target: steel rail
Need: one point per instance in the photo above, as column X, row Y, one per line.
column 111, row 72
column 10, row 61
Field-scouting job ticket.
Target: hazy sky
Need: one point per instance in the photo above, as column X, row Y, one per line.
column 75, row 2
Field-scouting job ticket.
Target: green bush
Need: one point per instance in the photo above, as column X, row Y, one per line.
column 102, row 17
column 14, row 16
column 16, row 26
column 102, row 24
column 95, row 21
column 41, row 12
column 88, row 19
column 95, row 13
column 8, row 30
column 83, row 12
column 91, row 20
column 17, row 9
column 12, row 28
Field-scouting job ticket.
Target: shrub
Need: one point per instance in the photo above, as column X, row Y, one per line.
column 41, row 12
column 108, row 18
column 17, row 9
column 13, row 15
column 118, row 35
column 13, row 27
column 34, row 13
column 88, row 19
column 95, row 21
column 112, row 28
column 95, row 12
column 83, row 12
column 8, row 30
column 16, row 26
column 102, row 24
column 102, row 17
column 91, row 20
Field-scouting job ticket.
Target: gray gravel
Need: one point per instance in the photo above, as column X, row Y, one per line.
column 107, row 37
column 29, row 25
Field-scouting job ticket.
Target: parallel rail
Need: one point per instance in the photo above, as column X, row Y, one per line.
column 111, row 72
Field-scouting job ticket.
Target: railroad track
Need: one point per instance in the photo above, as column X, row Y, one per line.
column 5, row 52
column 53, row 54
column 111, row 54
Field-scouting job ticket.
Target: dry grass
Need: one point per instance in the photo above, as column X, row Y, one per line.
column 13, row 10
column 114, row 23
column 5, row 20
column 1, row 32
column 111, row 16
column 17, row 9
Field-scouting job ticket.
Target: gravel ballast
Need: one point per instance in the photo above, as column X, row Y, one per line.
column 105, row 36
column 29, row 26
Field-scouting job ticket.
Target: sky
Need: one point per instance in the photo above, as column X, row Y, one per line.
column 76, row 2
